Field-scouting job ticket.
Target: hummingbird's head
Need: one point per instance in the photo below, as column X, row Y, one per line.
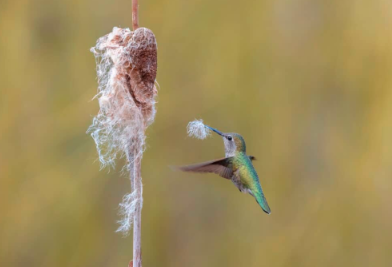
column 233, row 142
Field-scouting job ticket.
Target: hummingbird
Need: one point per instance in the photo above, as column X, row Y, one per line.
column 235, row 166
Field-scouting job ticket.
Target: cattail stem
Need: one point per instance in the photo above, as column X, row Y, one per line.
column 137, row 220
column 134, row 157
column 135, row 14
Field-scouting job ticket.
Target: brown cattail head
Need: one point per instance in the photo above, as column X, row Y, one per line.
column 126, row 70
column 134, row 54
column 143, row 71
column 138, row 64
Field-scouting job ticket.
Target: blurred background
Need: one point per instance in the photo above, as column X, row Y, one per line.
column 307, row 83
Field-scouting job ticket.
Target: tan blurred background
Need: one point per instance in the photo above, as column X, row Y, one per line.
column 307, row 83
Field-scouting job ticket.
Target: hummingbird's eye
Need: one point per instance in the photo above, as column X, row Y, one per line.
column 229, row 138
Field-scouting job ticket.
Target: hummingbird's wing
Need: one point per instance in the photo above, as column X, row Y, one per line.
column 222, row 167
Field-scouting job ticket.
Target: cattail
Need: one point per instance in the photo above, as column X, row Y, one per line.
column 126, row 69
column 198, row 130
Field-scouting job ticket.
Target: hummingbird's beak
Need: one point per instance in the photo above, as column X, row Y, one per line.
column 215, row 130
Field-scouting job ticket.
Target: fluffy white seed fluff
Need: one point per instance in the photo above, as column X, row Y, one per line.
column 198, row 130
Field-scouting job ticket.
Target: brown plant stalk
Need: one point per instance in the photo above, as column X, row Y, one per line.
column 126, row 69
column 135, row 14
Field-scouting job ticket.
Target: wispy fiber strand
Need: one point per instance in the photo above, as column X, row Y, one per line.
column 126, row 70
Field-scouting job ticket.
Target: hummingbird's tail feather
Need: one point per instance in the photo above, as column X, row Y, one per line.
column 260, row 199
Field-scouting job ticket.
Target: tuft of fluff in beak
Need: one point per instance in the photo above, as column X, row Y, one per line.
column 198, row 130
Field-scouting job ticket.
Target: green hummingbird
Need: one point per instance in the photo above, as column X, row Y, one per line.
column 236, row 166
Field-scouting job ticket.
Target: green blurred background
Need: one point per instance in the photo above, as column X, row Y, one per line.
column 307, row 83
